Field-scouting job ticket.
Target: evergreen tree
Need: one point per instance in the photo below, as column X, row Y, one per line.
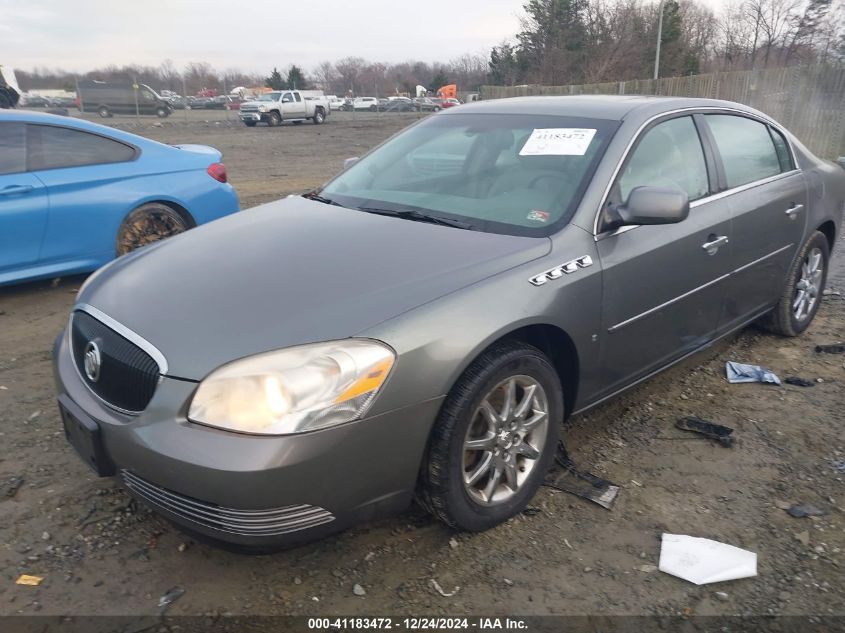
column 275, row 80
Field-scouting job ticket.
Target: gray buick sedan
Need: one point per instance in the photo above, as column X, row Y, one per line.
column 420, row 326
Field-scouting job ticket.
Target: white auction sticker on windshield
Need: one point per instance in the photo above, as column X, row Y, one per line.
column 558, row 141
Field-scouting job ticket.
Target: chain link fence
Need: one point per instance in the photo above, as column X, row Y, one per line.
column 808, row 100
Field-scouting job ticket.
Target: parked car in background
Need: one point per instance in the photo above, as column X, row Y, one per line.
column 10, row 92
column 335, row 102
column 449, row 103
column 34, row 101
column 347, row 105
column 108, row 99
column 582, row 245
column 427, row 104
column 284, row 105
column 74, row 194
column 200, row 103
column 365, row 103
column 399, row 104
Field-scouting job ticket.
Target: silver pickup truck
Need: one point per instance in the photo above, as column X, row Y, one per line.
column 284, row 105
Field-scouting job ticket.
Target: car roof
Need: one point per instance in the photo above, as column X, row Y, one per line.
column 610, row 107
column 27, row 116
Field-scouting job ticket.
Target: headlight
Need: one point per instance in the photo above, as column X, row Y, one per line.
column 262, row 108
column 294, row 390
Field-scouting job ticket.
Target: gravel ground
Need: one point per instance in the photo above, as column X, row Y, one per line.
column 101, row 553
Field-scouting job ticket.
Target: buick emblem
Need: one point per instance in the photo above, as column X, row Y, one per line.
column 93, row 361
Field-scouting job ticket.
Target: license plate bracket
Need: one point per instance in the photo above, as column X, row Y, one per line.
column 83, row 433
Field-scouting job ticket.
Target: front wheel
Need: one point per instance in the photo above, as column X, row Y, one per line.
column 104, row 112
column 805, row 284
column 149, row 223
column 274, row 119
column 494, row 439
column 162, row 113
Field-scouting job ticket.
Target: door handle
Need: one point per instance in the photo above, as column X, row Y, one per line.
column 792, row 211
column 714, row 243
column 15, row 189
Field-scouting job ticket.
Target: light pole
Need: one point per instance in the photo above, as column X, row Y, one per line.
column 659, row 37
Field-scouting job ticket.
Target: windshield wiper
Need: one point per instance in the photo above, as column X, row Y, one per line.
column 313, row 195
column 417, row 216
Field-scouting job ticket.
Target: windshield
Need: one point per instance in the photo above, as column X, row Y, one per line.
column 501, row 173
column 269, row 96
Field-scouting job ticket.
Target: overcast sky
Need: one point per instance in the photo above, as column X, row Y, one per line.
column 81, row 35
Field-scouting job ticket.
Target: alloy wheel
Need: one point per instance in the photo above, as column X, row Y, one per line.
column 505, row 440
column 808, row 288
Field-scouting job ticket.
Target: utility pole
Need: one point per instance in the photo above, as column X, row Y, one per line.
column 659, row 37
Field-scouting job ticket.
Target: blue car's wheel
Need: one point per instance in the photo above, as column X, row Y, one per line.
column 147, row 224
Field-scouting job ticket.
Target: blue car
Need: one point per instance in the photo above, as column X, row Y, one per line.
column 74, row 195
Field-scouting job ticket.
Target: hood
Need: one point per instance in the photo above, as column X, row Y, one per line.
column 288, row 273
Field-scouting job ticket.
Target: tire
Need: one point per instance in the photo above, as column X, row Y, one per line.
column 804, row 287
column 104, row 112
column 149, row 223
column 162, row 113
column 446, row 485
column 249, row 123
column 319, row 117
column 274, row 119
column 373, row 108
column 437, row 108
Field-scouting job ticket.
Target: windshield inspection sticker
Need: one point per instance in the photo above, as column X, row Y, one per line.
column 538, row 216
column 558, row 141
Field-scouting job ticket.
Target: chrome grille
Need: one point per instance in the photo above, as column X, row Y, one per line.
column 127, row 375
column 267, row 522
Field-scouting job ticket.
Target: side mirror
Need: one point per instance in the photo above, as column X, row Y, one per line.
column 650, row 205
column 349, row 162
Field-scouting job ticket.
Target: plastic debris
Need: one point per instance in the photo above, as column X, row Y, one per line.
column 799, row 382
column 171, row 596
column 26, row 579
column 702, row 561
column 579, row 482
column 739, row 372
column 358, row 590
column 721, row 434
column 836, row 348
column 799, row 511
column 439, row 589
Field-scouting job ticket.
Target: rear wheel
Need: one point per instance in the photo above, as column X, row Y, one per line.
column 494, row 438
column 104, row 112
column 161, row 113
column 373, row 108
column 319, row 117
column 149, row 223
column 805, row 284
column 274, row 119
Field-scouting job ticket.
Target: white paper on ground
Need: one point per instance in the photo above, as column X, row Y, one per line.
column 702, row 561
column 558, row 141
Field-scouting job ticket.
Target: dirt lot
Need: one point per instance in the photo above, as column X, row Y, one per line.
column 99, row 553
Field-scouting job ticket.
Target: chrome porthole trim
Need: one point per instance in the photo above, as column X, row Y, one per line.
column 563, row 269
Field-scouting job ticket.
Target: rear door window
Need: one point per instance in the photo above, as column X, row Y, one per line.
column 746, row 147
column 53, row 147
column 12, row 148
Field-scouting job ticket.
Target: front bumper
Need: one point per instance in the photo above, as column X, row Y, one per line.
column 249, row 490
column 253, row 116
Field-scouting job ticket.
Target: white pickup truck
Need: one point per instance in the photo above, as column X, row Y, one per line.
column 284, row 105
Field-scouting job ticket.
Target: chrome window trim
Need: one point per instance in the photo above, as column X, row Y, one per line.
column 637, row 317
column 721, row 194
column 126, row 333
